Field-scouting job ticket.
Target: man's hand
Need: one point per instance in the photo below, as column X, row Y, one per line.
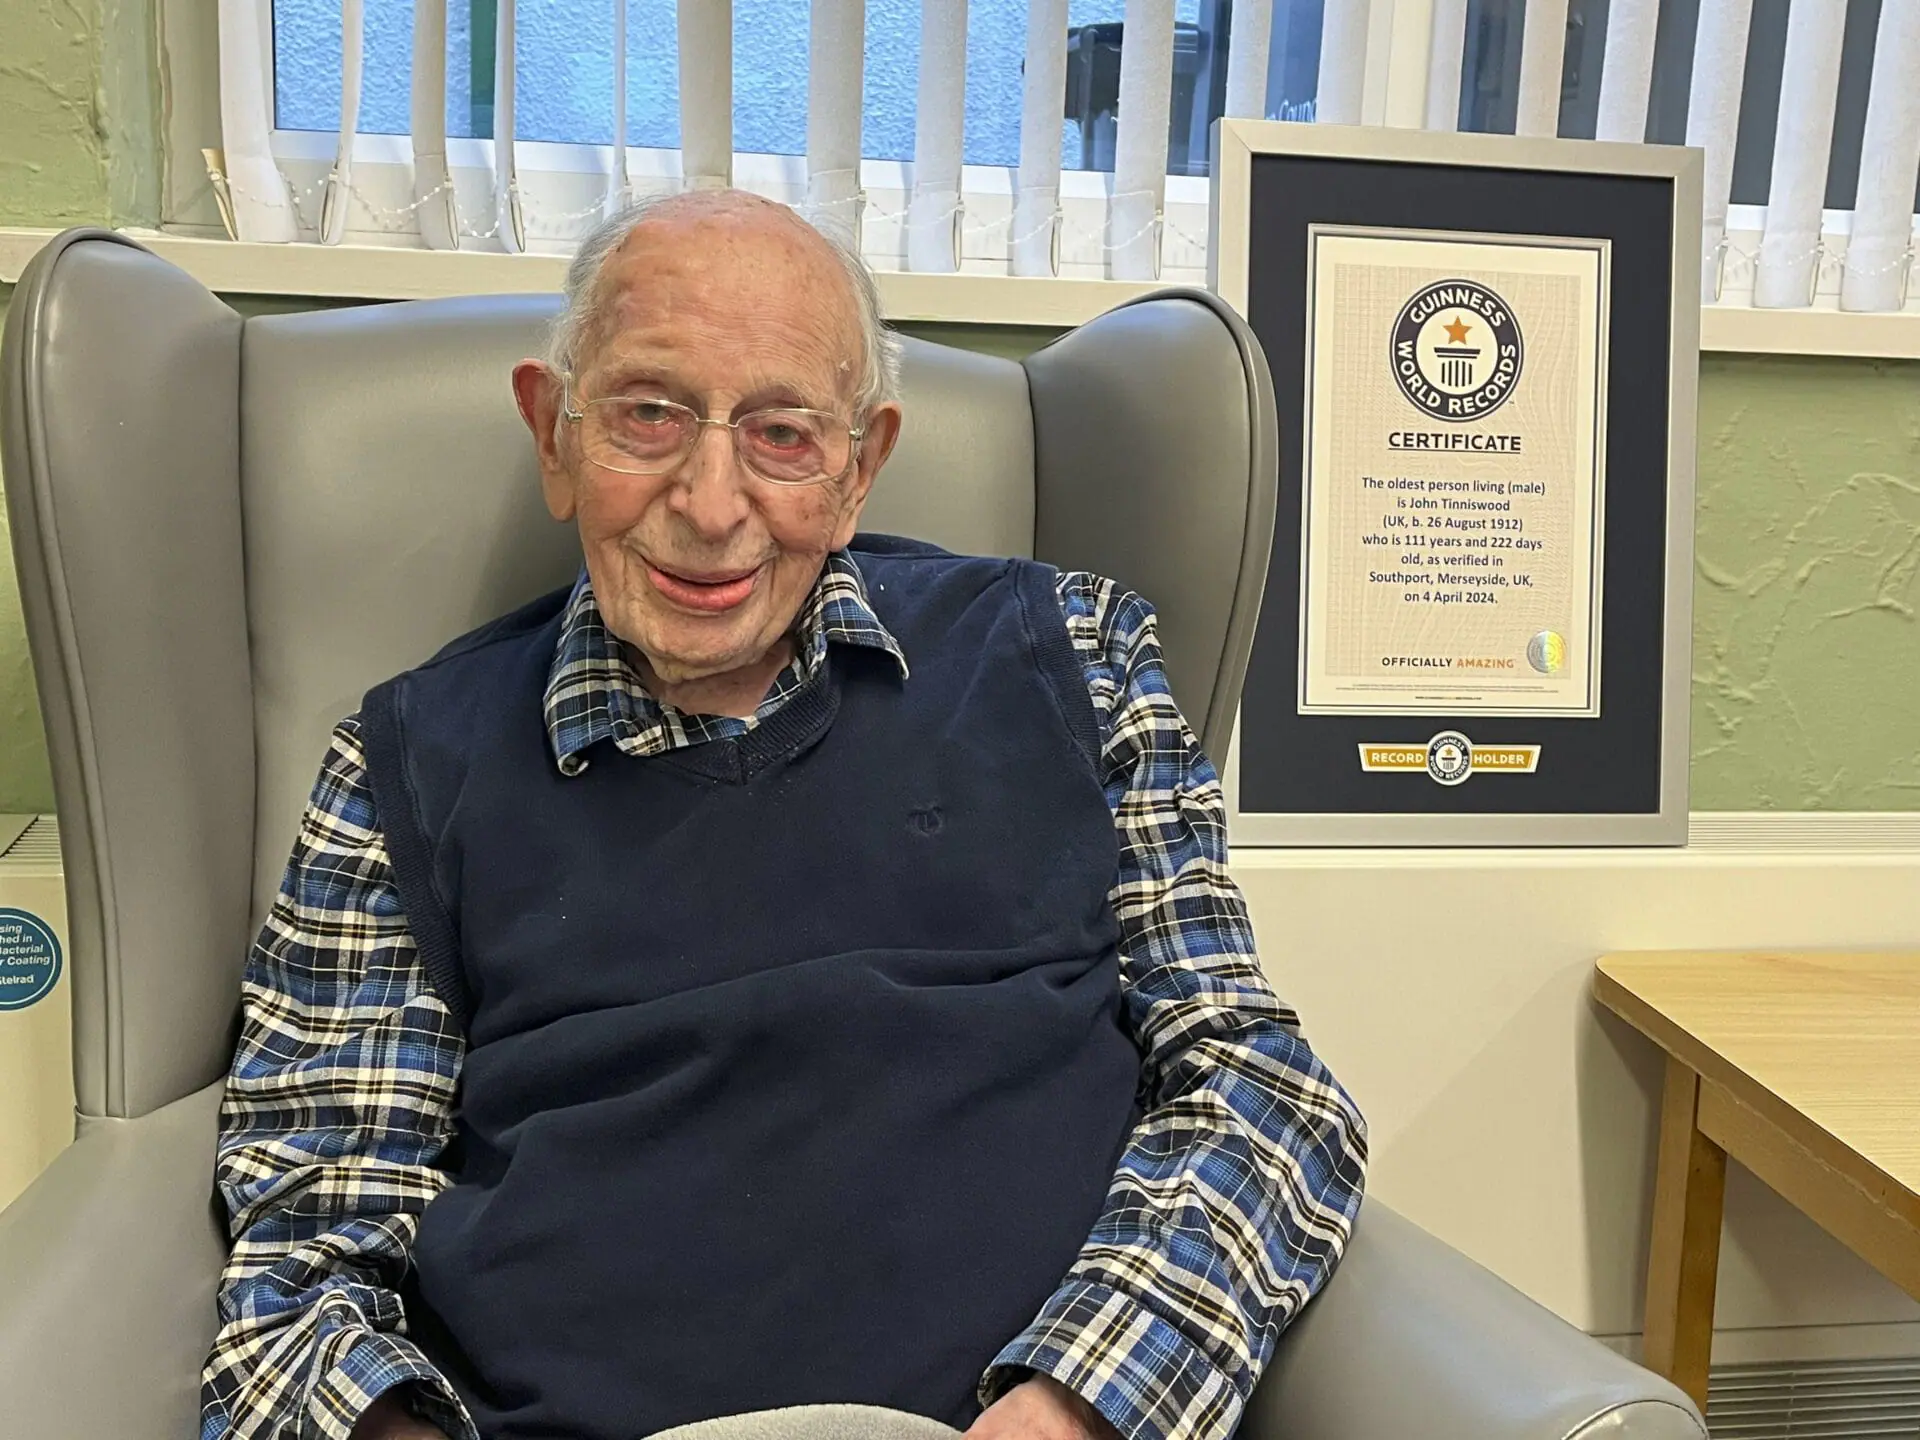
column 389, row 1419
column 1041, row 1409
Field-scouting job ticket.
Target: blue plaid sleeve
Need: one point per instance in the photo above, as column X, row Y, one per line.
column 337, row 1109
column 1236, row 1193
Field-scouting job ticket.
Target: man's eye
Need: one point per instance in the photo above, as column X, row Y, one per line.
column 650, row 412
column 782, row 434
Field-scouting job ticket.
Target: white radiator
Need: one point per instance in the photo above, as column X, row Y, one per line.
column 36, row 1049
column 1815, row 1400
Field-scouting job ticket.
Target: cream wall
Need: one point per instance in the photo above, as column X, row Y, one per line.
column 1450, row 992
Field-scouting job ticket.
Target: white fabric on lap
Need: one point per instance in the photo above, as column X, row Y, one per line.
column 815, row 1422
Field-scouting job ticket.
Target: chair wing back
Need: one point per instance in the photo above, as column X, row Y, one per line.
column 227, row 531
column 121, row 386
column 1157, row 461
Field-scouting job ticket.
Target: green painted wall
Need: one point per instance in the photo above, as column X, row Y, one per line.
column 53, row 149
column 79, row 112
column 26, row 784
column 1806, row 655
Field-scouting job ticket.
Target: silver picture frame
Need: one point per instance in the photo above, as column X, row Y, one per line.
column 1238, row 144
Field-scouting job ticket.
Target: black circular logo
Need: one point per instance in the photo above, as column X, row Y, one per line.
column 1449, row 757
column 1457, row 350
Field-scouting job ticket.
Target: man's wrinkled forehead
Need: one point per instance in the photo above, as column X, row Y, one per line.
column 756, row 275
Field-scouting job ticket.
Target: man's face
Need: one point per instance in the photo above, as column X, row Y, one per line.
column 703, row 569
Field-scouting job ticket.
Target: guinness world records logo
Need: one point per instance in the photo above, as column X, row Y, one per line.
column 1457, row 350
column 1449, row 757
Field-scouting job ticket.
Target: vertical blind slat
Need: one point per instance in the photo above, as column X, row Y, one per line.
column 1140, row 144
column 1250, row 41
column 1343, row 62
column 509, row 221
column 262, row 208
column 706, row 93
column 1543, row 49
column 1796, row 193
column 1626, row 70
column 939, row 125
column 336, row 197
column 1445, row 57
column 1713, row 119
column 433, row 205
column 1398, row 88
column 1036, row 201
column 619, row 183
column 1878, row 263
column 836, row 54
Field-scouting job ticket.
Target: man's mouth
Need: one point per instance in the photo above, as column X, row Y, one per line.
column 708, row 591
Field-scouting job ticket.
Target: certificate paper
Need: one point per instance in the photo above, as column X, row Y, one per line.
column 1453, row 473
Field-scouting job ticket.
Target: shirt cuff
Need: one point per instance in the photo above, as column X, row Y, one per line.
column 372, row 1365
column 1144, row 1376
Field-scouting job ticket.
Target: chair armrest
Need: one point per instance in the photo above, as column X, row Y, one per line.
column 108, row 1265
column 1412, row 1339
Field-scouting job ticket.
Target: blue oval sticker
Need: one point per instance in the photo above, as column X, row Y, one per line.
column 29, row 959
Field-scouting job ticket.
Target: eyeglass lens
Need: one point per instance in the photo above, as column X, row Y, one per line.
column 651, row 436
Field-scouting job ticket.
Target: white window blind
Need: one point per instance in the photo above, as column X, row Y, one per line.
column 1140, row 152
column 335, row 197
column 934, row 218
column 1048, row 137
column 1446, row 52
column 1626, row 74
column 835, row 68
column 1543, row 47
column 1343, row 61
column 1809, row 87
column 433, row 206
column 259, row 202
column 509, row 220
column 619, row 182
column 1713, row 122
column 706, row 93
column 1880, row 257
column 1034, row 245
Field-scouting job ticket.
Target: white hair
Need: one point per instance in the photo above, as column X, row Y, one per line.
column 879, row 379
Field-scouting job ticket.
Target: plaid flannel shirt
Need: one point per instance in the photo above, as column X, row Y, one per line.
column 1232, row 1201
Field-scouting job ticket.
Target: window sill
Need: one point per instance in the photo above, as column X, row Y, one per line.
column 378, row 272
column 372, row 272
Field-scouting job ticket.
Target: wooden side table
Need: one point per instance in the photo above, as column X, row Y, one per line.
column 1804, row 1067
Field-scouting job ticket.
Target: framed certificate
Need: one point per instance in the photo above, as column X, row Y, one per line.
column 1477, row 616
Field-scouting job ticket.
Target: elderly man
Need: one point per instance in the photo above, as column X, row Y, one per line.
column 785, row 967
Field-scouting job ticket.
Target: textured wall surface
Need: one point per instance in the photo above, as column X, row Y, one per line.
column 26, row 784
column 53, row 146
column 1806, row 647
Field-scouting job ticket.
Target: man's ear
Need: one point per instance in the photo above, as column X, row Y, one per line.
column 876, row 444
column 537, row 390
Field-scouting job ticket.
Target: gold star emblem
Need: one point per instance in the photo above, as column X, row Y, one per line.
column 1457, row 331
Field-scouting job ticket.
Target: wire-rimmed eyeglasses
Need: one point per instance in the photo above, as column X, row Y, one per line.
column 645, row 435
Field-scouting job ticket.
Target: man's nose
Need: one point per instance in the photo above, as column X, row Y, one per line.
column 710, row 488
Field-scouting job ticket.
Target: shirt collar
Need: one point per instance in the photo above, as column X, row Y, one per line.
column 593, row 694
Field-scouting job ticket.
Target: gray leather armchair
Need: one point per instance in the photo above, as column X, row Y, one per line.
column 225, row 530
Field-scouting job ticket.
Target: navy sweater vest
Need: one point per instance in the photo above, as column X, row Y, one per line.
column 796, row 1071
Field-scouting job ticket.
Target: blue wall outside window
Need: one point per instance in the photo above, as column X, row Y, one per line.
column 564, row 71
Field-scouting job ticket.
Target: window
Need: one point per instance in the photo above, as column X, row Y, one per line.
column 564, row 72
column 1149, row 222
column 1487, row 100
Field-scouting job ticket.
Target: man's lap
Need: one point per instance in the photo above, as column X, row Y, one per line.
column 815, row 1422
